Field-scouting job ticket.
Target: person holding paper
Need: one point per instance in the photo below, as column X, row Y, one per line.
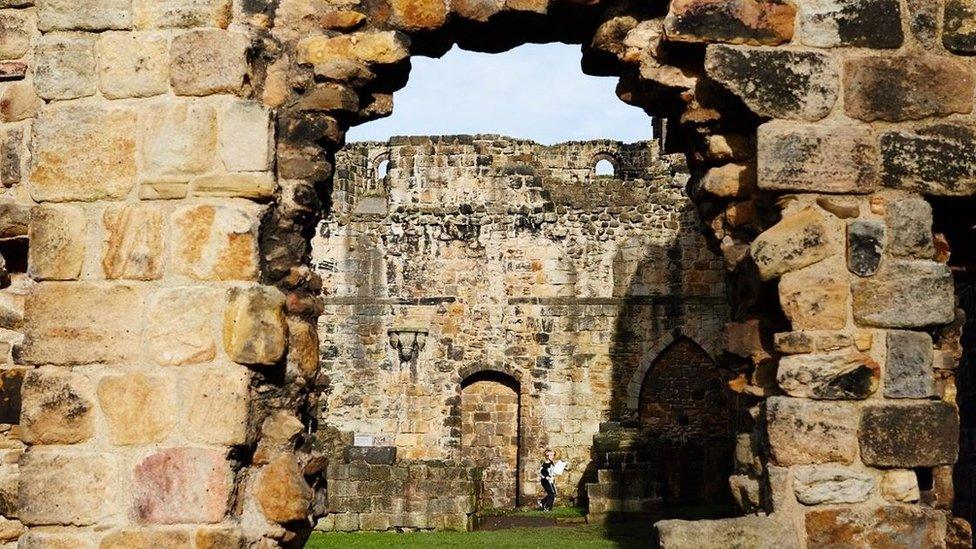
column 547, row 476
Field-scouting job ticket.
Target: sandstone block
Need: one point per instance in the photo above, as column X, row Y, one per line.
column 872, row 24
column 218, row 538
column 303, row 348
column 19, row 101
column 371, row 48
column 891, row 526
column 776, row 83
column 15, row 35
column 342, row 20
column 759, row 532
column 797, row 241
column 958, row 32
column 157, row 539
column 181, row 326
column 906, row 88
column 802, row 432
column 57, row 242
column 256, row 186
column 182, row 13
column 65, row 488
column 816, row 297
column 531, row 6
column 245, row 137
column 900, row 485
column 132, row 65
column 824, row 157
column 729, row 148
column 87, row 15
column 163, row 189
column 133, row 248
column 206, row 62
column 139, row 409
column 182, row 485
column 255, row 331
column 734, row 21
column 418, row 15
column 730, row 180
column 65, row 66
column 57, row 407
column 934, row 159
column 829, row 376
column 831, row 484
column 54, row 540
column 477, row 10
column 178, row 139
column 214, row 242
column 923, row 434
column 217, row 406
column 13, row 150
column 80, row 323
column 329, row 97
column 910, row 228
column 865, row 244
column 83, row 153
column 908, row 368
column 905, row 294
column 281, row 490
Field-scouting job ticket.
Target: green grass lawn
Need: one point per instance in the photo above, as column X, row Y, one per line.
column 614, row 536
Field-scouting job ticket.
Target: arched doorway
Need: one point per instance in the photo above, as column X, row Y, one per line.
column 490, row 434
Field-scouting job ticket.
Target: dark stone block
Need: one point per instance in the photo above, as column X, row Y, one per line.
column 865, row 243
column 912, row 435
column 908, row 369
column 939, row 159
column 374, row 455
column 736, row 21
column 906, row 87
column 869, row 24
column 959, row 26
column 889, row 526
column 11, row 382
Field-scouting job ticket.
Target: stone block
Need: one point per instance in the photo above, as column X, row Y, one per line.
column 207, row 62
column 733, row 21
column 15, row 34
column 729, row 148
column 133, row 247
column 905, row 294
column 156, row 539
column 54, row 540
column 133, row 65
column 730, row 181
column 865, row 244
column 329, row 97
column 57, row 407
column 81, row 323
column 418, row 15
column 281, row 491
column 758, row 532
column 57, row 242
column 910, row 228
column 959, row 26
column 890, row 526
column 906, row 87
column 825, row 157
column 254, row 330
column 86, row 15
column 139, row 409
column 255, row 186
column 216, row 242
column 816, row 297
column 385, row 455
column 934, row 159
column 64, row 66
column 831, row 484
column 908, row 368
column 840, row 375
column 245, row 137
column 900, row 485
column 182, row 485
column 164, row 189
column 178, row 139
column 19, row 101
column 802, row 432
column 303, row 347
column 66, row 488
column 370, row 48
column 13, row 151
column 346, row 522
column 216, row 403
column 923, row 434
column 181, row 326
column 182, row 13
column 874, row 24
column 83, row 152
column 776, row 83
column 798, row 240
column 219, row 538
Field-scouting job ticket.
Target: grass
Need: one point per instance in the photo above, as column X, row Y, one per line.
column 614, row 536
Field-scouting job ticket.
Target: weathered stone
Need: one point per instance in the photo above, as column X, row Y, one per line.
column 181, row 485
column 65, row 488
column 935, row 159
column 279, row 432
column 732, row 21
column 65, row 66
column 181, row 326
column 418, row 15
column 758, row 532
column 789, row 84
column 14, row 219
column 182, row 13
column 910, row 228
column 342, row 20
column 88, row 15
column 830, row 484
column 906, row 88
column 217, row 406
column 216, row 242
column 256, row 186
column 802, row 432
column 380, row 48
column 348, row 71
column 841, row 207
column 133, row 248
column 823, row 157
column 746, row 492
column 905, row 294
column 865, row 244
column 58, row 407
column 730, row 180
column 14, row 34
column 837, row 375
column 13, row 150
column 800, row 239
column 178, row 139
column 157, row 539
column 958, row 32
column 477, row 10
column 376, row 455
column 205, row 62
column 923, row 19
column 83, row 153
column 859, row 23
column 891, row 526
column 729, row 148
column 329, row 97
column 19, row 101
column 908, row 368
column 245, row 137
column 816, row 297
column 254, row 325
column 132, row 65
column 57, row 237
column 35, row 539
column 139, row 409
column 909, row 435
column 80, row 323
column 900, row 485
column 281, row 490
column 219, row 538
column 163, row 189
column 303, row 348
column 747, row 340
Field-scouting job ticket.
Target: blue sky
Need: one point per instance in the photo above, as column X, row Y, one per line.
column 534, row 91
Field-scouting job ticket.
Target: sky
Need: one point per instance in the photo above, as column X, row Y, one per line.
column 535, row 91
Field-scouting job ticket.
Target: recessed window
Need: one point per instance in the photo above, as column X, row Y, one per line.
column 604, row 168
column 382, row 169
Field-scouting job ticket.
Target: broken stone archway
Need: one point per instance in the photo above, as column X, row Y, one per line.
column 169, row 244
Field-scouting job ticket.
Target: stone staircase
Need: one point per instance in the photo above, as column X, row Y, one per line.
column 627, row 486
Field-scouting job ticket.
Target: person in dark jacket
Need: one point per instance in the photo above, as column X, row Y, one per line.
column 547, row 477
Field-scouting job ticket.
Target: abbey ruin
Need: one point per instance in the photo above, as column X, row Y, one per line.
column 222, row 326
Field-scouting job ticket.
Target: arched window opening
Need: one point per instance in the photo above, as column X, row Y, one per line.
column 605, row 168
column 383, row 168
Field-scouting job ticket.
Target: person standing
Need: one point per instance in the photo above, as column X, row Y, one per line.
column 547, row 477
